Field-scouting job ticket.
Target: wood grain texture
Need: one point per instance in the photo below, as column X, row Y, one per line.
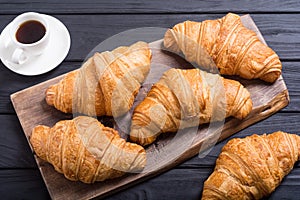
column 14, row 147
column 277, row 19
column 19, row 154
column 87, row 31
column 280, row 32
column 179, row 184
column 291, row 75
column 154, row 6
column 18, row 82
column 175, row 184
column 267, row 99
column 22, row 184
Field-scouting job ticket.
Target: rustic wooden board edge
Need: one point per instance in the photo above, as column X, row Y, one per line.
column 278, row 102
column 29, row 90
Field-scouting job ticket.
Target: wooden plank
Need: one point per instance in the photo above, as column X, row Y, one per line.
column 18, row 154
column 175, row 184
column 267, row 99
column 291, row 73
column 154, row 6
column 87, row 31
column 288, row 122
column 280, row 31
column 13, row 145
column 188, row 183
column 14, row 82
column 22, row 184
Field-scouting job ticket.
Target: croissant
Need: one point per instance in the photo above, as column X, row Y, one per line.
column 233, row 48
column 187, row 98
column 106, row 84
column 83, row 149
column 251, row 168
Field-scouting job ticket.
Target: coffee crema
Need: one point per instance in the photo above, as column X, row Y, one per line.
column 30, row 31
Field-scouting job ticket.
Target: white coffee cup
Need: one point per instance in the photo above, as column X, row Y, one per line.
column 24, row 52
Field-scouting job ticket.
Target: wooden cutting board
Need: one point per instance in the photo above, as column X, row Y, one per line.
column 168, row 151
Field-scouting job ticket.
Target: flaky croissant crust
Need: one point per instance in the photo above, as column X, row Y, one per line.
column 252, row 167
column 83, row 149
column 106, row 84
column 187, row 98
column 234, row 49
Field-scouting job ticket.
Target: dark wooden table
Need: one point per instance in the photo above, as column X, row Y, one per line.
column 91, row 22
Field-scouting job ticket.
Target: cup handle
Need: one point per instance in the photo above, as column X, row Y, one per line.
column 18, row 56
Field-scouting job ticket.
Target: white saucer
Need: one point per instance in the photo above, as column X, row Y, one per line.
column 53, row 55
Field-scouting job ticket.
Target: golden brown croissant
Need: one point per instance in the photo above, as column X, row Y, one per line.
column 106, row 84
column 187, row 98
column 251, row 168
column 234, row 49
column 83, row 149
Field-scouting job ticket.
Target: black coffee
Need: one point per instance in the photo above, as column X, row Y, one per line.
column 30, row 31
